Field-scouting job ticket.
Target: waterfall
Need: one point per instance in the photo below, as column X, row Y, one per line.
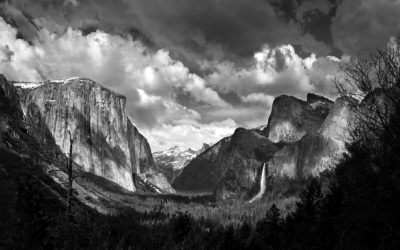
column 262, row 186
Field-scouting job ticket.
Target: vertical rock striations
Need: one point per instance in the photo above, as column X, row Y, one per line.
column 106, row 142
column 140, row 153
column 292, row 118
column 317, row 150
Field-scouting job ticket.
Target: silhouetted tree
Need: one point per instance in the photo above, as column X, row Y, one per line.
column 363, row 207
column 376, row 80
column 270, row 228
column 70, row 175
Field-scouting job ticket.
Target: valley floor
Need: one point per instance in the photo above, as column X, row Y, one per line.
column 34, row 216
column 110, row 199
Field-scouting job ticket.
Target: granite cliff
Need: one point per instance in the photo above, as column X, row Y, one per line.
column 25, row 156
column 317, row 150
column 106, row 143
column 301, row 139
column 292, row 118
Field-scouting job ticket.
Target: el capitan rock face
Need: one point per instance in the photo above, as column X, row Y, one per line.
column 43, row 159
column 106, row 142
column 141, row 157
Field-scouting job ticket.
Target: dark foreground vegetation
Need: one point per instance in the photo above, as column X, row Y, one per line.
column 361, row 211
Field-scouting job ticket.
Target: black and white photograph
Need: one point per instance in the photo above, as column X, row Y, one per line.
column 199, row 124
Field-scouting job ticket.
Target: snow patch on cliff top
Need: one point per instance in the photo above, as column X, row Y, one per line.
column 28, row 85
column 33, row 85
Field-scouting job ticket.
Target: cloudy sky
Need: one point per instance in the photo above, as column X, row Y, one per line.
column 192, row 70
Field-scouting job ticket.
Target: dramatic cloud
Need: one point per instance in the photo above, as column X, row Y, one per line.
column 273, row 72
column 276, row 71
column 193, row 71
column 209, row 29
column 150, row 80
column 360, row 26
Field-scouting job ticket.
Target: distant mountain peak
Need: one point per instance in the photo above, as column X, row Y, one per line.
column 173, row 160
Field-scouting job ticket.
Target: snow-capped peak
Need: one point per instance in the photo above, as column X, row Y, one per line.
column 176, row 157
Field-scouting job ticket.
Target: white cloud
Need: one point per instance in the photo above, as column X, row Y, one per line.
column 276, row 71
column 105, row 58
column 202, row 93
column 74, row 3
column 188, row 133
column 260, row 98
column 273, row 72
column 151, row 80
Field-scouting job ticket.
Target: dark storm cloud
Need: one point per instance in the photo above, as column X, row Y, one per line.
column 192, row 67
column 361, row 26
column 22, row 21
column 192, row 30
column 221, row 29
column 313, row 16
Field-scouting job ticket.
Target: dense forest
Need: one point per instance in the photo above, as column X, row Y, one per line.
column 360, row 211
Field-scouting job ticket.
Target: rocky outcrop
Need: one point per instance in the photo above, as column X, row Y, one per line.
column 105, row 141
column 157, row 182
column 203, row 148
column 292, row 118
column 317, row 150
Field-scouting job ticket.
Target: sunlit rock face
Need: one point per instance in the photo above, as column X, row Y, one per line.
column 105, row 141
column 157, row 181
column 292, row 118
column 317, row 150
